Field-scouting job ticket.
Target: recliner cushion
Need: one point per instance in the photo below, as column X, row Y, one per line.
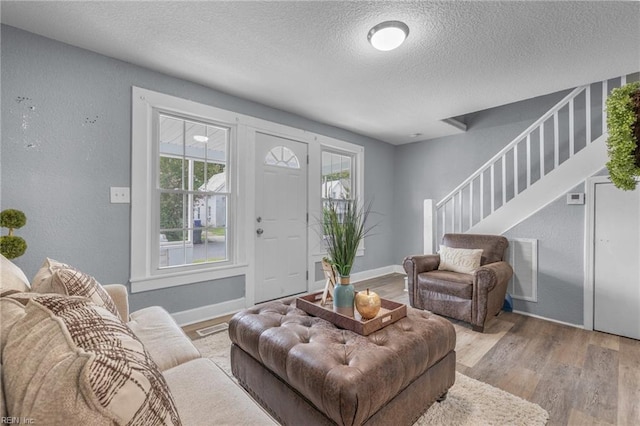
column 493, row 246
column 446, row 282
column 465, row 261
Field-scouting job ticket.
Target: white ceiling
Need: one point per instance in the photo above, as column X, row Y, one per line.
column 312, row 58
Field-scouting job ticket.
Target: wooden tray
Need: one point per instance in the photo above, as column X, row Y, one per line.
column 390, row 312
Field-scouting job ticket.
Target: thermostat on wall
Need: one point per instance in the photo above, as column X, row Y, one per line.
column 575, row 198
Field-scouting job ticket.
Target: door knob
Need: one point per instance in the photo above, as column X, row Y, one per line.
column 259, row 231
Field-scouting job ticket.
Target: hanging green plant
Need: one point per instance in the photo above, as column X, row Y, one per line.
column 623, row 124
column 12, row 246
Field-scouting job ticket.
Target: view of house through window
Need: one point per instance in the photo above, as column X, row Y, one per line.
column 193, row 191
column 337, row 177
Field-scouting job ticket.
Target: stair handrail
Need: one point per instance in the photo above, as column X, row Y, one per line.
column 536, row 124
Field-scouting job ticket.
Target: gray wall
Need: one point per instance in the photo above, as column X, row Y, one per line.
column 559, row 229
column 66, row 138
column 66, row 126
column 431, row 169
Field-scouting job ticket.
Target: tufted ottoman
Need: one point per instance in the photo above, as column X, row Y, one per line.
column 306, row 371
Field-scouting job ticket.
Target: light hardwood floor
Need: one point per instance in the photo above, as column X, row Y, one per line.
column 580, row 377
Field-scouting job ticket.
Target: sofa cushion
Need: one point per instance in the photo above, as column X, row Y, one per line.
column 60, row 278
column 120, row 297
column 10, row 313
column 70, row 361
column 162, row 337
column 205, row 395
column 3, row 410
column 11, row 276
column 459, row 260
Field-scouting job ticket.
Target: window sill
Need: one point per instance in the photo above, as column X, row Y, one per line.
column 174, row 279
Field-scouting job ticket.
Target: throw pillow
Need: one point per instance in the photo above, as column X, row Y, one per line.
column 60, row 278
column 69, row 361
column 461, row 260
column 11, row 276
column 46, row 270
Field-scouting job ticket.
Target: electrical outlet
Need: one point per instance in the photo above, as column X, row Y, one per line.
column 120, row 195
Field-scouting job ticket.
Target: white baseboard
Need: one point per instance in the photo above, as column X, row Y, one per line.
column 548, row 319
column 366, row 275
column 204, row 313
column 375, row 273
column 208, row 312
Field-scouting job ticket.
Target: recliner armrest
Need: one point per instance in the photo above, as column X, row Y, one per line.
column 493, row 273
column 120, row 297
column 415, row 265
column 421, row 263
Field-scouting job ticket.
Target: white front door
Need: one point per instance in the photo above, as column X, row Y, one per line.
column 617, row 261
column 281, row 217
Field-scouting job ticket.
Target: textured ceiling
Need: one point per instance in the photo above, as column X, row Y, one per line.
column 313, row 59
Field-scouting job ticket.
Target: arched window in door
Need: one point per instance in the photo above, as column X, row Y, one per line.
column 281, row 156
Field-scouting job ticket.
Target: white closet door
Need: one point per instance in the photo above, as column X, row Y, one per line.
column 617, row 261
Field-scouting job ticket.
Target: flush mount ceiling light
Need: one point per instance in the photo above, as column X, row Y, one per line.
column 200, row 138
column 388, row 35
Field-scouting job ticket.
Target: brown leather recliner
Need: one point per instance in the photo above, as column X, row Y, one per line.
column 472, row 298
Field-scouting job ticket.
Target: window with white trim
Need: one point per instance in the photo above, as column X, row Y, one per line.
column 184, row 205
column 337, row 179
column 342, row 175
column 192, row 179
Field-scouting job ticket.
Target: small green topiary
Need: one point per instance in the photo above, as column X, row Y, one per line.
column 623, row 107
column 12, row 219
column 12, row 246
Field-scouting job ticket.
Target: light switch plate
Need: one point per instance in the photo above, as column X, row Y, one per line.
column 120, row 195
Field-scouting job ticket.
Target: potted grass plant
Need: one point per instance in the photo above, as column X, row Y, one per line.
column 623, row 125
column 344, row 227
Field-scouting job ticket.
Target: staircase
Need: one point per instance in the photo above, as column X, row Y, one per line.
column 557, row 152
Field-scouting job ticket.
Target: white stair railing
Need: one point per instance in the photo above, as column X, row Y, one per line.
column 573, row 123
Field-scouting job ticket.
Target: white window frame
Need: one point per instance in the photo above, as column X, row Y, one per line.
column 156, row 193
column 241, row 175
column 353, row 177
column 357, row 153
column 145, row 274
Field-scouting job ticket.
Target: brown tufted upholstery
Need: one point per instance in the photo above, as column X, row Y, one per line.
column 473, row 298
column 304, row 370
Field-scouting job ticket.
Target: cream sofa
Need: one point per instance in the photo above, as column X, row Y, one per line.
column 202, row 393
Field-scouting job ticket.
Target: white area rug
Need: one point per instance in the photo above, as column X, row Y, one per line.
column 469, row 402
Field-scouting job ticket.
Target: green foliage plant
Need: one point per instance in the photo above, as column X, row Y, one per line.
column 12, row 246
column 623, row 105
column 344, row 226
